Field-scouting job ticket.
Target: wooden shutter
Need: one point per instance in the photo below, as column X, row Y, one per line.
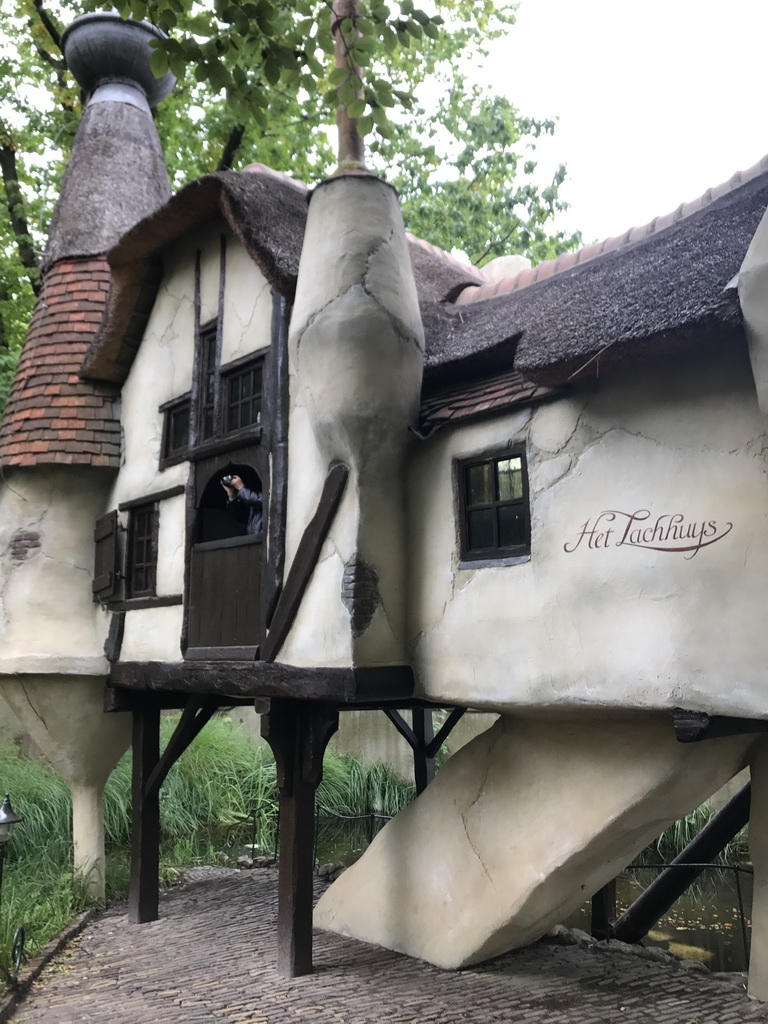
column 106, row 571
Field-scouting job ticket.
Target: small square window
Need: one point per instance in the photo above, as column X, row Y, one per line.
column 493, row 504
column 141, row 577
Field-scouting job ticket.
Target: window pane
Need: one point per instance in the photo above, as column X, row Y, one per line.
column 510, row 475
column 179, row 430
column 480, row 529
column 480, row 484
column 511, row 526
column 208, row 423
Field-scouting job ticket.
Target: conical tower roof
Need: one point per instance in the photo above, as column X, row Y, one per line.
column 116, row 176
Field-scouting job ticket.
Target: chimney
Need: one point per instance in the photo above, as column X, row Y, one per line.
column 116, row 176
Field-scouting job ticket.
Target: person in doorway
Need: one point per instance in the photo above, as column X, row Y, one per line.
column 245, row 503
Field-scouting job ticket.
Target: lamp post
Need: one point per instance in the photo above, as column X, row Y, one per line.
column 9, row 819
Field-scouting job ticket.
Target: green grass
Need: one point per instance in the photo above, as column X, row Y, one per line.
column 223, row 775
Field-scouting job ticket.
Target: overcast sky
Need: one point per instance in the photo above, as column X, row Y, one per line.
column 657, row 100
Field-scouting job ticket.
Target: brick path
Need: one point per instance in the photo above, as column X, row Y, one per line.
column 209, row 960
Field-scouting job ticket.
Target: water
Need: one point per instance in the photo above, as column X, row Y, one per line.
column 704, row 924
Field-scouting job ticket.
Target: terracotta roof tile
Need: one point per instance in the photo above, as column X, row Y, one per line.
column 461, row 400
column 52, row 415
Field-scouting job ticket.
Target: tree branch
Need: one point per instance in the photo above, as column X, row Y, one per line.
column 48, row 23
column 49, row 58
column 230, row 148
column 351, row 146
column 17, row 213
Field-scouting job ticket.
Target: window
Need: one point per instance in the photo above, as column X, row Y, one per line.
column 142, row 551
column 243, row 398
column 493, row 501
column 175, row 430
column 208, row 381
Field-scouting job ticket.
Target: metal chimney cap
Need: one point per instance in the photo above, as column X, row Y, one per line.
column 103, row 47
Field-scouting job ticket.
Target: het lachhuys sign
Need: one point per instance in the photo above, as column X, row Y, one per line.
column 670, row 532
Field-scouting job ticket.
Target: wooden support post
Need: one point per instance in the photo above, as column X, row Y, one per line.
column 684, row 869
column 604, row 911
column 143, row 896
column 423, row 763
column 298, row 733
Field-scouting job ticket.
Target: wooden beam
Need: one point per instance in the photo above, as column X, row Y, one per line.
column 421, row 740
column 298, row 734
column 693, row 726
column 143, row 895
column 445, row 731
column 423, row 762
column 276, row 404
column 197, row 712
column 684, row 869
column 305, row 560
column 249, row 679
column 603, row 911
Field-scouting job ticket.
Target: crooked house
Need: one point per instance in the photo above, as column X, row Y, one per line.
column 541, row 494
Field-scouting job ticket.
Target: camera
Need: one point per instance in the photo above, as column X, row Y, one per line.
column 227, row 480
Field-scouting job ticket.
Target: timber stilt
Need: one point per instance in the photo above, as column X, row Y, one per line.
column 298, row 733
column 143, row 895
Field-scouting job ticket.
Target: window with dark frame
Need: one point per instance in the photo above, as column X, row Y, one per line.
column 493, row 502
column 208, row 381
column 226, row 400
column 176, row 428
column 243, row 398
column 141, row 575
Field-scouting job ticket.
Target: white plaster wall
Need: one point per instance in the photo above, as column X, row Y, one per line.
column 355, row 361
column 611, row 625
column 162, row 369
column 170, row 546
column 48, row 620
column 247, row 323
column 152, row 634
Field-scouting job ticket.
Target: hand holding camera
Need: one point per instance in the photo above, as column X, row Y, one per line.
column 231, row 484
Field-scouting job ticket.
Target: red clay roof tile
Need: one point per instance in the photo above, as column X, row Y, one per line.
column 52, row 415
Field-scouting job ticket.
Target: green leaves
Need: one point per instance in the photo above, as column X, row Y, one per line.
column 466, row 171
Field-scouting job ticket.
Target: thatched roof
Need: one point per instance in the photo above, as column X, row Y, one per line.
column 667, row 289
column 267, row 211
column 115, row 177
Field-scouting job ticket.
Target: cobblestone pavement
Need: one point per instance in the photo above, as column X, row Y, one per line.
column 210, row 960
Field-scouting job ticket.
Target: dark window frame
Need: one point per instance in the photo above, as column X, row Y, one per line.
column 224, row 434
column 208, row 404
column 496, row 553
column 172, row 456
column 141, row 555
column 237, row 370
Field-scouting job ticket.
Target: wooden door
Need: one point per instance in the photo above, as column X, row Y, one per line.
column 224, row 596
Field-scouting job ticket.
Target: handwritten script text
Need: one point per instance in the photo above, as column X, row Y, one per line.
column 671, row 532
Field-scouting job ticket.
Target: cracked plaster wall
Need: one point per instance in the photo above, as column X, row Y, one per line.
column 48, row 621
column 613, row 626
column 355, row 362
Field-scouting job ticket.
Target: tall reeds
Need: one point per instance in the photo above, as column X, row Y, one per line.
column 221, row 778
